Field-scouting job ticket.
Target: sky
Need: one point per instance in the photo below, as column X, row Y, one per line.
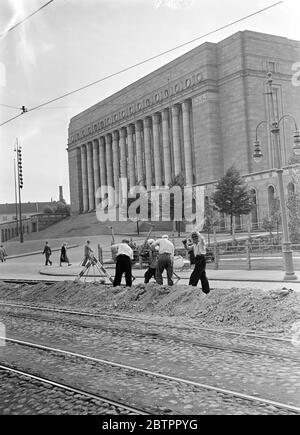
column 71, row 43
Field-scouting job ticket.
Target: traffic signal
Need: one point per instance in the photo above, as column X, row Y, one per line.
column 20, row 168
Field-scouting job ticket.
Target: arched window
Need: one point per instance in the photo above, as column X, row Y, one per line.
column 271, row 196
column 291, row 189
column 194, row 206
column 254, row 213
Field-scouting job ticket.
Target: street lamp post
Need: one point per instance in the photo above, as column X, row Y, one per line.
column 18, row 150
column 274, row 128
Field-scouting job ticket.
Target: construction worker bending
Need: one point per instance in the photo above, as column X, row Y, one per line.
column 165, row 259
column 198, row 248
column 153, row 254
column 123, row 264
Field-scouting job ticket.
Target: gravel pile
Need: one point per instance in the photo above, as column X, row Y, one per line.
column 277, row 310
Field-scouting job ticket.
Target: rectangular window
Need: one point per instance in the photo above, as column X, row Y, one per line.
column 271, row 67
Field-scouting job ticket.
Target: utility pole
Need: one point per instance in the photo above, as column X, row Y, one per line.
column 20, row 186
column 16, row 196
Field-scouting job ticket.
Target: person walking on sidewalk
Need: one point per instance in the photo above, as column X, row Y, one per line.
column 87, row 253
column 2, row 254
column 198, row 248
column 123, row 264
column 165, row 259
column 47, row 252
column 64, row 256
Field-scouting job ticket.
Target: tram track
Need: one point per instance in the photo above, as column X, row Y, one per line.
column 242, row 349
column 144, row 321
column 100, row 400
column 129, row 370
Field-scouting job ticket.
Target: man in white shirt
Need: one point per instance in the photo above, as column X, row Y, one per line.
column 123, row 264
column 165, row 259
column 198, row 248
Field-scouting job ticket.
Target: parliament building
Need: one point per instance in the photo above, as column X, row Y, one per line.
column 196, row 116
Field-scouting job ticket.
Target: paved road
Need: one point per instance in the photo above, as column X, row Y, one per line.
column 29, row 268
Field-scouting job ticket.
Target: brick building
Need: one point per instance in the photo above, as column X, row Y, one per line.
column 197, row 115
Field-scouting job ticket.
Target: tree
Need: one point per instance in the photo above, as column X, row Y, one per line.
column 268, row 225
column 48, row 210
column 273, row 221
column 294, row 159
column 62, row 208
column 293, row 206
column 232, row 196
column 210, row 217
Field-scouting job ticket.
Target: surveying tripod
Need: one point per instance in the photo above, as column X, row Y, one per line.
column 94, row 263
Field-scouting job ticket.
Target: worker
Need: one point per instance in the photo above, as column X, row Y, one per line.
column 165, row 259
column 123, row 263
column 198, row 248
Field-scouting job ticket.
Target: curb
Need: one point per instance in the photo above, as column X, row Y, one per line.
column 187, row 278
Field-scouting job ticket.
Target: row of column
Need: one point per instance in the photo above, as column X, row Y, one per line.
column 148, row 152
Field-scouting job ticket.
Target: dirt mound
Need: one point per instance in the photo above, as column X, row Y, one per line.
column 277, row 310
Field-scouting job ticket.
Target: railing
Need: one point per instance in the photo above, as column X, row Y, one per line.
column 252, row 257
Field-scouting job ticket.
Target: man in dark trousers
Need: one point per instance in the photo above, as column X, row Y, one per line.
column 153, row 257
column 165, row 259
column 198, row 248
column 47, row 251
column 123, row 264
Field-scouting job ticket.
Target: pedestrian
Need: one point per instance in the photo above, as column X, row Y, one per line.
column 3, row 254
column 153, row 257
column 165, row 259
column 123, row 264
column 87, row 252
column 198, row 248
column 64, row 256
column 47, row 251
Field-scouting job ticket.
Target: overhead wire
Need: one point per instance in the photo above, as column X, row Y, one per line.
column 25, row 19
column 144, row 61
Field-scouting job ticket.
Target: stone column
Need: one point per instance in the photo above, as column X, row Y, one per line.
column 131, row 158
column 116, row 164
column 147, row 143
column 109, row 162
column 96, row 165
column 187, row 143
column 156, row 149
column 139, row 151
column 85, row 191
column 90, row 176
column 176, row 140
column 123, row 156
column 166, row 147
column 102, row 162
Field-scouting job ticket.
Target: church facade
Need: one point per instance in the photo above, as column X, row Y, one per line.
column 195, row 116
